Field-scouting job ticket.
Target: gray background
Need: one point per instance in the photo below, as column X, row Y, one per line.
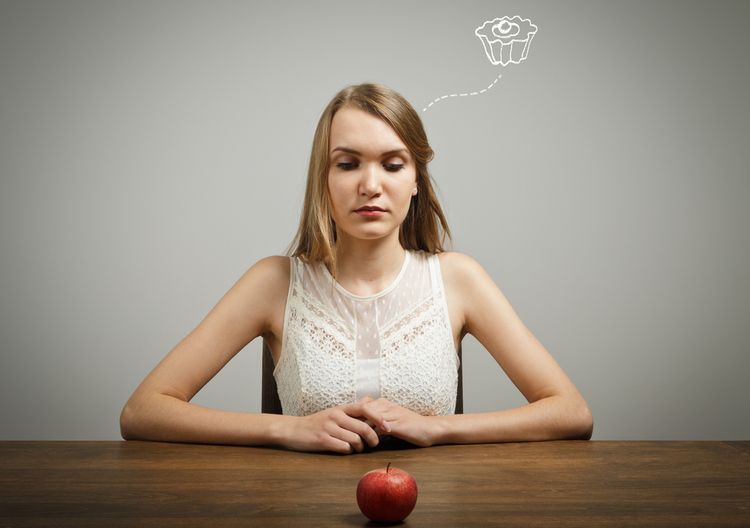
column 150, row 152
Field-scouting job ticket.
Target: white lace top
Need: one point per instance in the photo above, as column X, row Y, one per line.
column 338, row 347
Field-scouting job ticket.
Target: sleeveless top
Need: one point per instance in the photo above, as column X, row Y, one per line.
column 338, row 347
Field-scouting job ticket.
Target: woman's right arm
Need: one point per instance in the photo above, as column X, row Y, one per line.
column 160, row 407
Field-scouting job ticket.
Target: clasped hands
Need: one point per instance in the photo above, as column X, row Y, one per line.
column 350, row 428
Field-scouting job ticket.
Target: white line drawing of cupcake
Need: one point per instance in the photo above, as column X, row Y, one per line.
column 506, row 40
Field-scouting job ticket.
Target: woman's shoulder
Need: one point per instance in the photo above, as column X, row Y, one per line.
column 473, row 289
column 270, row 274
column 274, row 262
column 458, row 270
column 457, row 266
column 464, row 274
column 274, row 268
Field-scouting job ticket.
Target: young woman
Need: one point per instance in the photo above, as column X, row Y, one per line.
column 364, row 317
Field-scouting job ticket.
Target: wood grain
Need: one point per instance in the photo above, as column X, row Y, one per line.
column 593, row 483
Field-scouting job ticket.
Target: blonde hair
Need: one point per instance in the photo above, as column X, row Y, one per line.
column 424, row 227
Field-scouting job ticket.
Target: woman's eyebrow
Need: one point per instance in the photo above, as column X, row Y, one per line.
column 387, row 153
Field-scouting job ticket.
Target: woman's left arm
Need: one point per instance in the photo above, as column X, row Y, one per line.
column 556, row 410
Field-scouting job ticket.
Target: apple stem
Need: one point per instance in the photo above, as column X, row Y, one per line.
column 387, row 467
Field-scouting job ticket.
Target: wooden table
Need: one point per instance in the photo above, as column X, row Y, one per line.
column 593, row 483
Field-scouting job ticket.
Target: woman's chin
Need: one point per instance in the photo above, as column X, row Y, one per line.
column 368, row 233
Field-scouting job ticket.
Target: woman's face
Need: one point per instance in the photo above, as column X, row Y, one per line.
column 370, row 166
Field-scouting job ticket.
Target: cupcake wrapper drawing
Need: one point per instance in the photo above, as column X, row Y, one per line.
column 506, row 40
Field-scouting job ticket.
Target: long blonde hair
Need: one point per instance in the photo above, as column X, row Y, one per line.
column 424, row 228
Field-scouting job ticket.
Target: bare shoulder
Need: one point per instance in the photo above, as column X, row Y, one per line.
column 264, row 284
column 274, row 268
column 469, row 281
column 271, row 274
column 460, row 273
column 458, row 268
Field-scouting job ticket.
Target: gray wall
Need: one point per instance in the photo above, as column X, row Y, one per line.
column 150, row 152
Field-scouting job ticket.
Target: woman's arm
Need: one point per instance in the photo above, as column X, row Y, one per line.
column 166, row 418
column 556, row 410
column 163, row 417
column 160, row 407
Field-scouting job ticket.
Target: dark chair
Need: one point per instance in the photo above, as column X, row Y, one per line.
column 271, row 404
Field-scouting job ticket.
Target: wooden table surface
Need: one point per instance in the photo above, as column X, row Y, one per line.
column 580, row 483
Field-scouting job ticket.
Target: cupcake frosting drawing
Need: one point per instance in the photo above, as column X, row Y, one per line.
column 506, row 40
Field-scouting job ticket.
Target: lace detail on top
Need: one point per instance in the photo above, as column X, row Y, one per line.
column 338, row 347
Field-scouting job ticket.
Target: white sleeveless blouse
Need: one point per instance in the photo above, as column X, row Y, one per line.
column 338, row 347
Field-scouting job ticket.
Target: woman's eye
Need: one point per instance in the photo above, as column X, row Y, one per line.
column 390, row 167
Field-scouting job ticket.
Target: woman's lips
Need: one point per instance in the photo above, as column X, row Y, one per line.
column 369, row 214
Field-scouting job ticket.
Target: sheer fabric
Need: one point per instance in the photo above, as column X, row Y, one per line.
column 338, row 347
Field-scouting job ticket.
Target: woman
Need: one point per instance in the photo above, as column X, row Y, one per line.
column 364, row 317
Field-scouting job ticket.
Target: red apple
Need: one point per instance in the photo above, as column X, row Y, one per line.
column 387, row 494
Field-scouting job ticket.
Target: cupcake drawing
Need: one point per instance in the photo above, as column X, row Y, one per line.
column 506, row 40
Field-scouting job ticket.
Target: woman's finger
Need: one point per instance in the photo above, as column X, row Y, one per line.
column 363, row 430
column 362, row 409
column 338, row 445
column 350, row 437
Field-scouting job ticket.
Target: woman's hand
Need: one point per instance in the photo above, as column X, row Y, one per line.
column 342, row 429
column 403, row 423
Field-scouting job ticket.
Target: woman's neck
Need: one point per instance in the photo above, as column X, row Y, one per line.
column 366, row 267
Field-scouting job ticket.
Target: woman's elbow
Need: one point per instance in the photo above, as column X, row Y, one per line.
column 582, row 423
column 127, row 422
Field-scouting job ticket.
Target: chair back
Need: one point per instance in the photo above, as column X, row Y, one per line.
column 271, row 404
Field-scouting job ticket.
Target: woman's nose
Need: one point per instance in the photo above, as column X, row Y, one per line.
column 370, row 182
